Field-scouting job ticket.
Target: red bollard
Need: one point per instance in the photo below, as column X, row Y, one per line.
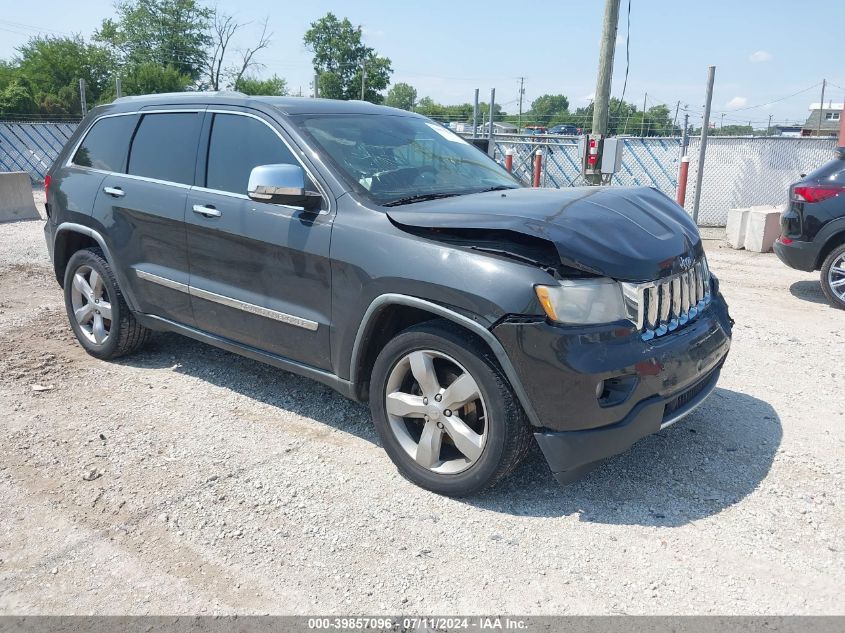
column 682, row 181
column 538, row 167
column 509, row 160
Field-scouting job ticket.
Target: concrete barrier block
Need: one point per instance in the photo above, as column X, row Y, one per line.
column 763, row 229
column 16, row 202
column 736, row 227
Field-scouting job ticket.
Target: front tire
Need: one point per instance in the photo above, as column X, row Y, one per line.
column 833, row 277
column 96, row 309
column 444, row 412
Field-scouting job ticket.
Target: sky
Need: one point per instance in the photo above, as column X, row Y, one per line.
column 770, row 55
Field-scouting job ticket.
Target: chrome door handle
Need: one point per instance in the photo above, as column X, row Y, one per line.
column 116, row 192
column 207, row 210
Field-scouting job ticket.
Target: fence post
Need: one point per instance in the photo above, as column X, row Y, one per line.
column 702, row 151
column 538, row 167
column 491, row 145
column 509, row 160
column 683, row 174
column 82, row 102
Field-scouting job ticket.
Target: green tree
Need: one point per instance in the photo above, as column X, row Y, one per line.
column 149, row 78
column 164, row 32
column 275, row 86
column 549, row 110
column 338, row 49
column 331, row 85
column 53, row 66
column 16, row 98
column 402, row 96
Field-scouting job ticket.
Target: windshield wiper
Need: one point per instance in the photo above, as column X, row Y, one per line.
column 496, row 188
column 420, row 197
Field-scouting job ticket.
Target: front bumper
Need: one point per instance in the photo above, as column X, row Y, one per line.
column 656, row 382
column 798, row 255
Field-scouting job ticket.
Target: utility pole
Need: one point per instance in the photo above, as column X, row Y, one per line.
column 642, row 123
column 316, row 86
column 769, row 126
column 521, row 92
column 675, row 120
column 82, row 102
column 475, row 115
column 605, row 72
column 363, row 77
column 705, row 125
column 118, row 88
column 685, row 136
column 722, row 121
column 821, row 109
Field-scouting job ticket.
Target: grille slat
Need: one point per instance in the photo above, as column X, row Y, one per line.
column 667, row 304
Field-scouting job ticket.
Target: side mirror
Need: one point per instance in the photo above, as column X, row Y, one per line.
column 282, row 184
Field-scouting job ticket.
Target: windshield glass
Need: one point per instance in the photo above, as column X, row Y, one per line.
column 399, row 159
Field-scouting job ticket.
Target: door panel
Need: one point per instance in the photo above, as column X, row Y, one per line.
column 260, row 275
column 146, row 230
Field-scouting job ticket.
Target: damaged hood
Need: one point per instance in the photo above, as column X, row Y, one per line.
column 630, row 234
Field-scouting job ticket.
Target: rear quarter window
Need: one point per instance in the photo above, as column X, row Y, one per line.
column 832, row 172
column 165, row 147
column 106, row 144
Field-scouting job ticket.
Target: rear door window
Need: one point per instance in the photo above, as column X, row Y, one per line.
column 106, row 144
column 165, row 147
column 237, row 144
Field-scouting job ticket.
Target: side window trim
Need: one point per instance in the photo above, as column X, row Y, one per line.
column 139, row 113
column 205, row 139
column 69, row 162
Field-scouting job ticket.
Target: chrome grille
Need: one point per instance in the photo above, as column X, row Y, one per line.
column 665, row 305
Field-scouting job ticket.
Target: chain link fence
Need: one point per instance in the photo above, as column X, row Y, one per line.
column 744, row 172
column 739, row 171
column 32, row 147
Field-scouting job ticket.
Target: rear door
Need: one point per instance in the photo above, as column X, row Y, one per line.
column 143, row 211
column 260, row 273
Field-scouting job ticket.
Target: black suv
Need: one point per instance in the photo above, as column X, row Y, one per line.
column 379, row 253
column 813, row 227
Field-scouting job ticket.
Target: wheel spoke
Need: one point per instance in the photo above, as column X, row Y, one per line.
column 428, row 449
column 99, row 329
column 466, row 440
column 405, row 405
column 82, row 286
column 464, row 390
column 105, row 309
column 96, row 283
column 838, row 283
column 839, row 270
column 84, row 314
column 422, row 367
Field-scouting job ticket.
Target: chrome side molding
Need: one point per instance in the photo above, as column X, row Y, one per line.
column 230, row 302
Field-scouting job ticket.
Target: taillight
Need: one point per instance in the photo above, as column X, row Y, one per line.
column 47, row 180
column 815, row 193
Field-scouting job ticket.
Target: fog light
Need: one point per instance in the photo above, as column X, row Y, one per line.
column 599, row 389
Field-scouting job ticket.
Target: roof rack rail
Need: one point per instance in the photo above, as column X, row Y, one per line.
column 182, row 95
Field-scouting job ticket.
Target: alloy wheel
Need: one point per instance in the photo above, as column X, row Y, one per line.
column 436, row 411
column 836, row 277
column 91, row 306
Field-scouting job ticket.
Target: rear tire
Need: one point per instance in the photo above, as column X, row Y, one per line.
column 833, row 277
column 96, row 309
column 446, row 415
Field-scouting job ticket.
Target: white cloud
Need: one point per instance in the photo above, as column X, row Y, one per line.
column 737, row 102
column 589, row 97
column 372, row 32
column 759, row 57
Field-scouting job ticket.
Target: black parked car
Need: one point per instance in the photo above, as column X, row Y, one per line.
column 813, row 227
column 379, row 253
column 565, row 130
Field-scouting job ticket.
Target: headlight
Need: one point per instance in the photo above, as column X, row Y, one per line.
column 583, row 301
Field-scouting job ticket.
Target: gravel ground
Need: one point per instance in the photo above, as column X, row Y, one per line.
column 188, row 480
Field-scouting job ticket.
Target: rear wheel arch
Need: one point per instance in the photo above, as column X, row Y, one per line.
column 832, row 242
